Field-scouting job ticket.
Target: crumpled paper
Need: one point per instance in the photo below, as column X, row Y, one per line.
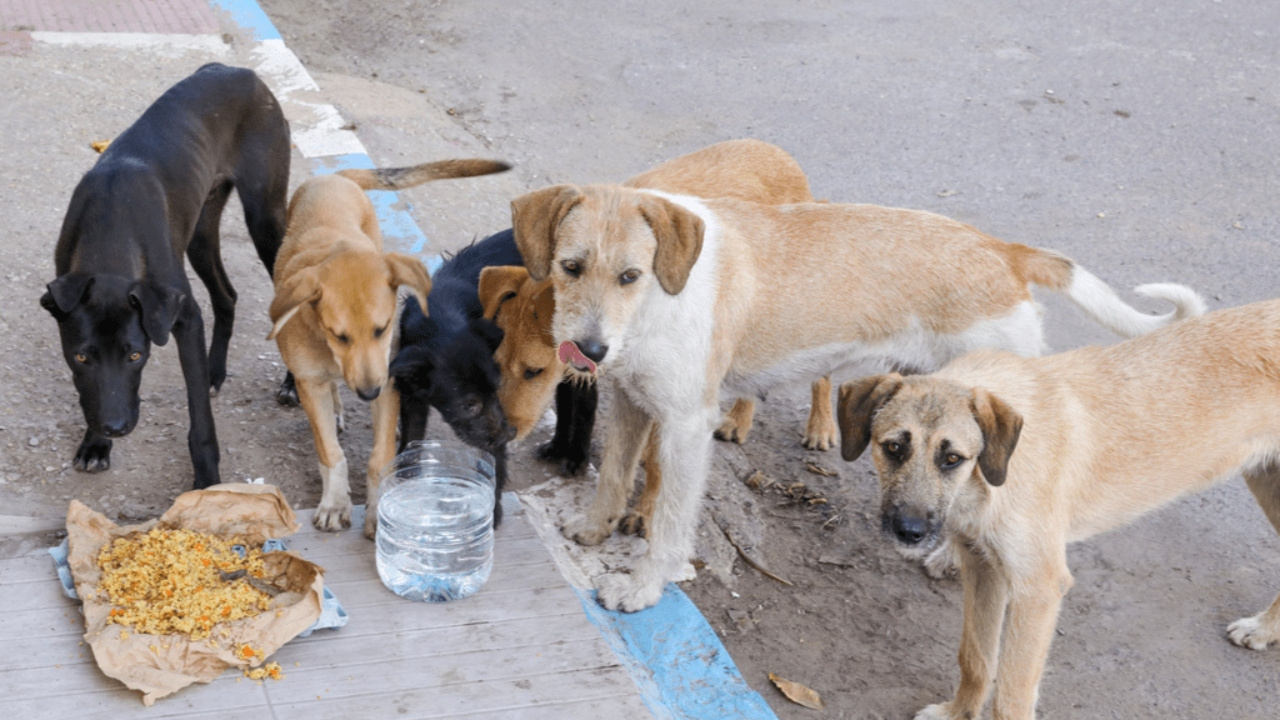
column 160, row 665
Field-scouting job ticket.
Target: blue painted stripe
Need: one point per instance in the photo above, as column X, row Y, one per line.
column 399, row 232
column 681, row 668
column 250, row 16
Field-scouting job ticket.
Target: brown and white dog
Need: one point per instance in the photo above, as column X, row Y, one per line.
column 1015, row 457
column 676, row 298
column 746, row 169
column 333, row 308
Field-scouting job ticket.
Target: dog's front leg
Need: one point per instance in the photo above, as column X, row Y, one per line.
column 1033, row 615
column 385, row 409
column 202, row 437
column 684, row 450
column 334, row 511
column 628, row 428
column 985, row 599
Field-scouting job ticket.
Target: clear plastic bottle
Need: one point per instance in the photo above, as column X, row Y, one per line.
column 435, row 522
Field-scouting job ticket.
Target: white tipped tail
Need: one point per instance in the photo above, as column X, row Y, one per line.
column 1101, row 303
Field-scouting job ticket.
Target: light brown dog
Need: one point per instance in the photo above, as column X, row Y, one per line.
column 678, row 299
column 333, row 310
column 746, row 169
column 1013, row 458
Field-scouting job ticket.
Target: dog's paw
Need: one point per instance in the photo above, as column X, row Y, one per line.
column 617, row 591
column 548, row 452
column 94, row 455
column 632, row 524
column 371, row 522
column 334, row 517
column 943, row 563
column 585, row 531
column 731, row 431
column 821, row 434
column 287, row 393
column 937, row 711
column 1253, row 632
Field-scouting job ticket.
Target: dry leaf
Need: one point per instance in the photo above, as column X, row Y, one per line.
column 759, row 481
column 99, row 145
column 797, row 693
column 817, row 469
column 947, row 193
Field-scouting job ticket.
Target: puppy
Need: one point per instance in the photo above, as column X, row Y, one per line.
column 333, row 309
column 676, row 298
column 156, row 194
column 1014, row 457
column 445, row 359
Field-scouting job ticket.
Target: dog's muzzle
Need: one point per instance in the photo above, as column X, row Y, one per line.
column 913, row 529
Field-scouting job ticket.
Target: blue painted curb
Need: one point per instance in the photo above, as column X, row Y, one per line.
column 249, row 15
column 679, row 664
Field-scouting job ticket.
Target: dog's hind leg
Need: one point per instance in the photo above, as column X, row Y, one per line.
column 821, row 432
column 262, row 184
column 627, row 432
column 1261, row 630
column 205, row 254
column 334, row 511
column 636, row 520
column 736, row 424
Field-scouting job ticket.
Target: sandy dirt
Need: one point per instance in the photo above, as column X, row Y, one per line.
column 575, row 98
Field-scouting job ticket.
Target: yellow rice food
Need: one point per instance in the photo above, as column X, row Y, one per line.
column 168, row 581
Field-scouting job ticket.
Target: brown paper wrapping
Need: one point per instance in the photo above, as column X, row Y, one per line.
column 160, row 665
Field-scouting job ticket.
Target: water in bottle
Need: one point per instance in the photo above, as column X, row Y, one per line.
column 435, row 523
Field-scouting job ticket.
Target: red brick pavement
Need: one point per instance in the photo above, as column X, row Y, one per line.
column 109, row 16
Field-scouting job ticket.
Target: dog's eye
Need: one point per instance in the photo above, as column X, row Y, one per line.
column 81, row 358
column 135, row 356
column 378, row 333
column 892, row 449
column 343, row 338
column 472, row 409
column 531, row 373
column 951, row 460
column 572, row 268
column 629, row 277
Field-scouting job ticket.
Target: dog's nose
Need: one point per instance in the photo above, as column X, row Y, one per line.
column 369, row 395
column 594, row 350
column 115, row 428
column 910, row 530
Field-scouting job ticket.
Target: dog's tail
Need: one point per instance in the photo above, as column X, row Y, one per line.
column 406, row 177
column 1051, row 270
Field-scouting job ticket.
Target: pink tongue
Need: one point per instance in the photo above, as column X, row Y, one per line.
column 569, row 353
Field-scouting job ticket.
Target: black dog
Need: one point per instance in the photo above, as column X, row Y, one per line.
column 157, row 192
column 446, row 357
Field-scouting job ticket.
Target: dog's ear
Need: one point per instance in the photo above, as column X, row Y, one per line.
column 679, row 235
column 408, row 271
column 534, row 218
column 302, row 287
column 488, row 331
column 859, row 401
column 498, row 284
column 411, row 368
column 1000, row 426
column 158, row 306
column 64, row 294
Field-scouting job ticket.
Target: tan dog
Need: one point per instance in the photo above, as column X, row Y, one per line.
column 677, row 298
column 333, row 310
column 1014, row 457
column 745, row 169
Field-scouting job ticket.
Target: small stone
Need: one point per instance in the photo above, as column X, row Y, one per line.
column 33, row 441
